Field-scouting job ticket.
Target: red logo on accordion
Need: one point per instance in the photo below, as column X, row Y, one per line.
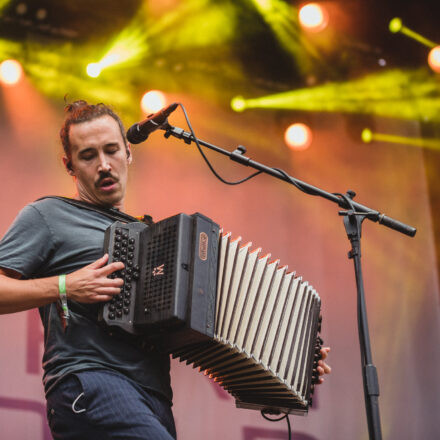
column 203, row 246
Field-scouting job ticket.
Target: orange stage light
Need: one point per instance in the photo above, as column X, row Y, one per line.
column 313, row 17
column 153, row 101
column 10, row 72
column 434, row 59
column 298, row 136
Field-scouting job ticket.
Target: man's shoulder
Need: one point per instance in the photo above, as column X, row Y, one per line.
column 49, row 201
column 47, row 205
column 65, row 211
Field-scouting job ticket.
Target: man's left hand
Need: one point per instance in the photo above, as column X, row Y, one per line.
column 323, row 368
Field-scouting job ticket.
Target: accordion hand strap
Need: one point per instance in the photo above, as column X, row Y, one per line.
column 112, row 213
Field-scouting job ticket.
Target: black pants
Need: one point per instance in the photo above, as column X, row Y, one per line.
column 100, row 404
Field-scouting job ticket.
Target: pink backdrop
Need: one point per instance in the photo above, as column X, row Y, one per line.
column 306, row 233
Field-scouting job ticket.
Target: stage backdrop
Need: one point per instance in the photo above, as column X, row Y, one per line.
column 304, row 232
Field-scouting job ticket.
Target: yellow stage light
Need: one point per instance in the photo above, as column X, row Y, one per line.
column 298, row 136
column 396, row 25
column 368, row 136
column 313, row 17
column 391, row 93
column 153, row 101
column 93, row 70
column 238, row 104
column 434, row 59
column 10, row 72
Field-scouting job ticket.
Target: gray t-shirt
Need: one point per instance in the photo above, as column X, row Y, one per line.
column 52, row 237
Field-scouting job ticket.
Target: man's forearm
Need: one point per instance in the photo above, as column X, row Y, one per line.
column 87, row 285
column 18, row 295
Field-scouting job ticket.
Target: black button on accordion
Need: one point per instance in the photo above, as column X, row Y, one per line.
column 219, row 305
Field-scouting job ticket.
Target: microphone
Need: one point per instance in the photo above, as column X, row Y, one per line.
column 139, row 132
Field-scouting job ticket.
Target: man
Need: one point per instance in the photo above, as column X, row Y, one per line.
column 98, row 385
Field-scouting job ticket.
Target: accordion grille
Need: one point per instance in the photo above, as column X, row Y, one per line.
column 160, row 259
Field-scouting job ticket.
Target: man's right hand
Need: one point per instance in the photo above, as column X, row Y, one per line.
column 90, row 283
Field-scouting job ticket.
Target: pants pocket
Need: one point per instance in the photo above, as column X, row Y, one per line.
column 78, row 405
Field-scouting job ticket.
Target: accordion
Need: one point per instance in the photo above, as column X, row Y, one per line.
column 223, row 307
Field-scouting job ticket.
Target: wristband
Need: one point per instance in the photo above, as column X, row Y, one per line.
column 63, row 295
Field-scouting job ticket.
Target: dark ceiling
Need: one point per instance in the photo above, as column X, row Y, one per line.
column 75, row 20
column 359, row 41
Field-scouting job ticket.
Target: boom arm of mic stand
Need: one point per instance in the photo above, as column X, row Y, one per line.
column 238, row 156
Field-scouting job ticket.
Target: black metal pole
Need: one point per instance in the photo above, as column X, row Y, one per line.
column 353, row 225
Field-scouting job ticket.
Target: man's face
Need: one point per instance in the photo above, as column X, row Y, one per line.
column 99, row 161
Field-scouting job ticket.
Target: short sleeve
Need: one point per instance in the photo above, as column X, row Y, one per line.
column 27, row 244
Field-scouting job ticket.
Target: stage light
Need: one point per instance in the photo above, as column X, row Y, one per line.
column 41, row 14
column 411, row 95
column 21, row 9
column 313, row 17
column 193, row 24
column 129, row 45
column 396, row 25
column 238, row 104
column 298, row 136
column 368, row 136
column 93, row 70
column 10, row 72
column 153, row 101
column 434, row 59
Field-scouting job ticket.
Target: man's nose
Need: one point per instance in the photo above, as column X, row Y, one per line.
column 104, row 164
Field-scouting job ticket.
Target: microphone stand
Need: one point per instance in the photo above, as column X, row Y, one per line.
column 354, row 214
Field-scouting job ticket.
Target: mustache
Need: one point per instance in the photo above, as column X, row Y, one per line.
column 105, row 175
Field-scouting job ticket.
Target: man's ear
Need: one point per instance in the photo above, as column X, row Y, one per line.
column 68, row 164
column 129, row 155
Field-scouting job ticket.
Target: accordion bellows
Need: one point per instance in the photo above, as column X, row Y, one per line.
column 234, row 313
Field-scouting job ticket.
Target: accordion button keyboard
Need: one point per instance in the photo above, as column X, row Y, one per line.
column 122, row 243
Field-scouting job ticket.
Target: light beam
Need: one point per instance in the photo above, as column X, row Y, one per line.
column 369, row 136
